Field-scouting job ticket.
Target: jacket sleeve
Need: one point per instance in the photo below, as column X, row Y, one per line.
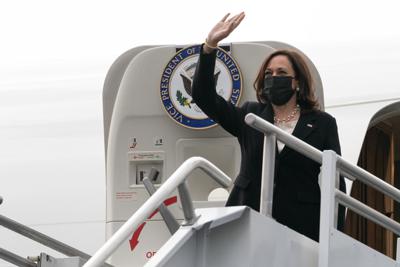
column 226, row 114
column 332, row 143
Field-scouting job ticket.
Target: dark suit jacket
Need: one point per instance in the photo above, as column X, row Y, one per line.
column 296, row 200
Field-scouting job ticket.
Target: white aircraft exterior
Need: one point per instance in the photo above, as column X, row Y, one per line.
column 52, row 165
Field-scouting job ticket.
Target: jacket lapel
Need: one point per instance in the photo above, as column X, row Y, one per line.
column 304, row 127
column 268, row 113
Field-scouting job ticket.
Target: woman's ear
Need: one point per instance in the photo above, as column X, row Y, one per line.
column 296, row 85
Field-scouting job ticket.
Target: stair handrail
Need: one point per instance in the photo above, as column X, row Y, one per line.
column 271, row 133
column 39, row 237
column 177, row 179
column 333, row 165
column 16, row 259
column 345, row 168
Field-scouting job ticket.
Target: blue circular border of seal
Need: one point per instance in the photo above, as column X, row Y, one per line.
column 169, row 107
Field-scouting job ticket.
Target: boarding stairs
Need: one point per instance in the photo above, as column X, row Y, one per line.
column 239, row 236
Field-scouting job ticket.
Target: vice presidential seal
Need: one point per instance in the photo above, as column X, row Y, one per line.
column 176, row 86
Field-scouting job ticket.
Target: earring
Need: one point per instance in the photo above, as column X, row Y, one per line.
column 297, row 89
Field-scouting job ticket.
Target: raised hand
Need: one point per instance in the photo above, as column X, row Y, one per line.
column 223, row 28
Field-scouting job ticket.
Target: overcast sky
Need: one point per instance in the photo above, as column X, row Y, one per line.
column 50, row 40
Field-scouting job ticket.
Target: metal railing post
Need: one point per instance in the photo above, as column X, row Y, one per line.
column 169, row 219
column 268, row 174
column 187, row 204
column 327, row 209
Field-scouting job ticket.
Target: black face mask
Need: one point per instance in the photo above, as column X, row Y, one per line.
column 278, row 89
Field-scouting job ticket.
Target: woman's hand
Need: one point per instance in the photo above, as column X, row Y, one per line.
column 221, row 30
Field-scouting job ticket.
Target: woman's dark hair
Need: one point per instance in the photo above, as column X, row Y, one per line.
column 306, row 95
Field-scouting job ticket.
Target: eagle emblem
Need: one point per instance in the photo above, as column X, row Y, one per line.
column 177, row 80
column 187, row 80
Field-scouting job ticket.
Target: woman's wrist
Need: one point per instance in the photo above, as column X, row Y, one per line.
column 209, row 47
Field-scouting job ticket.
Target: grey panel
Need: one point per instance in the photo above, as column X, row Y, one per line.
column 346, row 251
column 249, row 240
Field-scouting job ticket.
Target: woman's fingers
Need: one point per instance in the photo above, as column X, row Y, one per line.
column 225, row 17
column 233, row 22
column 237, row 17
column 238, row 20
column 224, row 27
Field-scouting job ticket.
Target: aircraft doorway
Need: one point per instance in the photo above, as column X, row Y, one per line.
column 380, row 155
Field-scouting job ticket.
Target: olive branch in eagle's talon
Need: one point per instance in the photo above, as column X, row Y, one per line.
column 182, row 100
